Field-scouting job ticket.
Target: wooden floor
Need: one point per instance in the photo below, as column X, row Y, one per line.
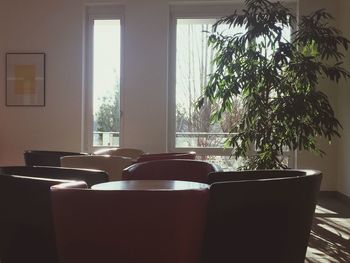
column 330, row 236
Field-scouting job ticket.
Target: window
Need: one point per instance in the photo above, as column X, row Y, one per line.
column 103, row 77
column 190, row 66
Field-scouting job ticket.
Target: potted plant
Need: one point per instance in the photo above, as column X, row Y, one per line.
column 276, row 79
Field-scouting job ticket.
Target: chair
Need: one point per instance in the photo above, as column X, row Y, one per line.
column 253, row 175
column 260, row 216
column 113, row 165
column 26, row 226
column 176, row 169
column 129, row 225
column 46, row 158
column 164, row 156
column 125, row 152
column 91, row 177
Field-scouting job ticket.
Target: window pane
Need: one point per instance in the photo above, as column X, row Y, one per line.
column 227, row 163
column 106, row 82
column 193, row 66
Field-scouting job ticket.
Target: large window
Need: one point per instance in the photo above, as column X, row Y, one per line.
column 190, row 66
column 190, row 128
column 103, row 78
column 193, row 66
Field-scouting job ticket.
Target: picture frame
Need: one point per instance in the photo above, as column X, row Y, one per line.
column 25, row 79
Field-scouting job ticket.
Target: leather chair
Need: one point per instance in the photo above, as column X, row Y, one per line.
column 89, row 176
column 176, row 169
column 260, row 216
column 129, row 225
column 125, row 152
column 165, row 156
column 112, row 165
column 46, row 158
column 26, row 226
column 254, row 175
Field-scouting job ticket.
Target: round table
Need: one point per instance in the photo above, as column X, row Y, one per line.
column 161, row 185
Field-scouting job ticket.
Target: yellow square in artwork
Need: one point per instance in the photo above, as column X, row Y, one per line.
column 24, row 79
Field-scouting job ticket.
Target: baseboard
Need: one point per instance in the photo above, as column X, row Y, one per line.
column 343, row 197
column 335, row 194
column 328, row 194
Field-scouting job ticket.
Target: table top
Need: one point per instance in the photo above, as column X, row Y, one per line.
column 161, row 185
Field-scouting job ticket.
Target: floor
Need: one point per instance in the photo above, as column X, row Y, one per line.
column 330, row 235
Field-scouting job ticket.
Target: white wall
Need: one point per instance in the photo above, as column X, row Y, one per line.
column 327, row 163
column 335, row 165
column 146, row 42
column 56, row 28
column 53, row 27
column 344, row 109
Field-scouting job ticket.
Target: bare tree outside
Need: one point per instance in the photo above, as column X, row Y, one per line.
column 194, row 126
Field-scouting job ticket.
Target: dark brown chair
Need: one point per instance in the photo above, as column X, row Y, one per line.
column 89, row 176
column 26, row 226
column 176, row 169
column 253, row 175
column 129, row 226
column 46, row 158
column 260, row 216
column 165, row 156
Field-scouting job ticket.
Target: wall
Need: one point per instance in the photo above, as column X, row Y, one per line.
column 344, row 109
column 328, row 163
column 335, row 165
column 56, row 28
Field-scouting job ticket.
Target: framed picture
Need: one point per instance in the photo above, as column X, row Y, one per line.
column 25, row 79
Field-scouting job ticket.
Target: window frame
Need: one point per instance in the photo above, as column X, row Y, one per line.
column 190, row 11
column 200, row 11
column 92, row 13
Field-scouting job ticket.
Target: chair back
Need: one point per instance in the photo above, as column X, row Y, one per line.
column 129, row 225
column 164, row 156
column 260, row 220
column 26, row 226
column 176, row 169
column 125, row 152
column 112, row 165
column 46, row 158
column 253, row 175
column 91, row 177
